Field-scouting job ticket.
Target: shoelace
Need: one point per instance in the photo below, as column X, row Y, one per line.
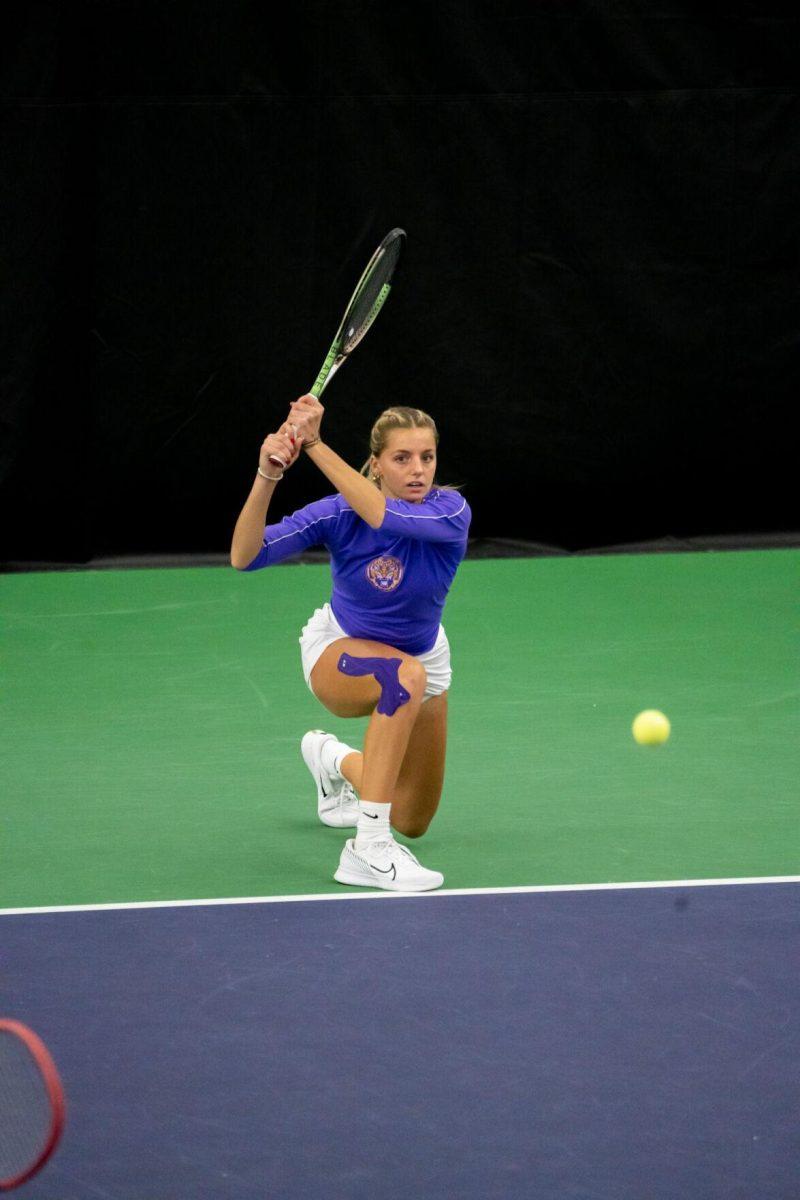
column 386, row 846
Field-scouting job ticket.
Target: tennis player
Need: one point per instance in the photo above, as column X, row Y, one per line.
column 378, row 648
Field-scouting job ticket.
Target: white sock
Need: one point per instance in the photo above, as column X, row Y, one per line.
column 373, row 823
column 332, row 755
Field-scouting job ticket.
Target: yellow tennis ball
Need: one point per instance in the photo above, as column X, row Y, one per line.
column 651, row 727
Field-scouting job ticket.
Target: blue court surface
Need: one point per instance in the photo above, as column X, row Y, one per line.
column 589, row 1044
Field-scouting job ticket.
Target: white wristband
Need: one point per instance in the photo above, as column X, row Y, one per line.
column 274, row 478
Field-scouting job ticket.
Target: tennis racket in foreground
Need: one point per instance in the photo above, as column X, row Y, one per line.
column 31, row 1104
column 366, row 302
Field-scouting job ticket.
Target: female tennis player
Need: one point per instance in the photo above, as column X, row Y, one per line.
column 377, row 648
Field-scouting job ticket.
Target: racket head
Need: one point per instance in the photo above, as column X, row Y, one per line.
column 32, row 1106
column 366, row 302
column 372, row 289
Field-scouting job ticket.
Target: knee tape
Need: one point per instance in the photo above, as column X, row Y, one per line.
column 385, row 670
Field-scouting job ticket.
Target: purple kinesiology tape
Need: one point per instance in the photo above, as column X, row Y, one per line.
column 393, row 694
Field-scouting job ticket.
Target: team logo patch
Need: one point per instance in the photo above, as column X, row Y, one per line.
column 385, row 573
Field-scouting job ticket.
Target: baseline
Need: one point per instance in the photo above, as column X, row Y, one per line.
column 381, row 895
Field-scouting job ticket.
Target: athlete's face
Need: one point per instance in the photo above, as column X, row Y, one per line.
column 407, row 465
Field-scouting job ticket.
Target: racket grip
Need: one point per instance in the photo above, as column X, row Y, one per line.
column 277, row 462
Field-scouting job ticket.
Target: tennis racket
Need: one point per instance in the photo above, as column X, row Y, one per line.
column 31, row 1104
column 366, row 302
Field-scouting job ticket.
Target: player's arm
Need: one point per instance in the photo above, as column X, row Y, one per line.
column 249, row 530
column 362, row 496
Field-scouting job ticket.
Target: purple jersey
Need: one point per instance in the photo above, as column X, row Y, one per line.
column 389, row 584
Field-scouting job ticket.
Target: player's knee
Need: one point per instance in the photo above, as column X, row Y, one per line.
column 413, row 677
column 412, row 827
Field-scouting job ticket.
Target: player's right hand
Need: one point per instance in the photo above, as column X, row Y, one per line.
column 307, row 413
column 283, row 447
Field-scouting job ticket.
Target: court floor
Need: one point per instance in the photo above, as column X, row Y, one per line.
column 605, row 1043
column 601, row 1004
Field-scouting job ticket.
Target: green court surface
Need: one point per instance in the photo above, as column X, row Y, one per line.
column 152, row 720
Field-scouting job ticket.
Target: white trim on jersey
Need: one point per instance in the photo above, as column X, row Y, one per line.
column 330, row 517
column 424, row 516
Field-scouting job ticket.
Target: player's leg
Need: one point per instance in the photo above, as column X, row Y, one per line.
column 421, row 777
column 353, row 677
column 419, row 785
column 348, row 695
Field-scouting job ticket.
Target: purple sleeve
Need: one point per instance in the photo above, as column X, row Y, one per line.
column 441, row 517
column 313, row 525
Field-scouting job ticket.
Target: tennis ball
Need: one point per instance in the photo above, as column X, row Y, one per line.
column 650, row 728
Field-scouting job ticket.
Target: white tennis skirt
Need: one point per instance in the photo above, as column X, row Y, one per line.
column 323, row 628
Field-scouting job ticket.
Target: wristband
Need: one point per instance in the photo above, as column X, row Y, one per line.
column 274, row 478
column 308, row 445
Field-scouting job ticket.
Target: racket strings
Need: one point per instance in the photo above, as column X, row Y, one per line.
column 25, row 1108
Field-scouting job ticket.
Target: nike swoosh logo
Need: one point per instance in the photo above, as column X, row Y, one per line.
column 372, row 816
column 322, row 787
column 393, row 869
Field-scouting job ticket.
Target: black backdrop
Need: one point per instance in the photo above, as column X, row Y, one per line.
column 599, row 302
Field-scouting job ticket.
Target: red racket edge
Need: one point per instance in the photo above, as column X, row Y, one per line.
column 55, row 1094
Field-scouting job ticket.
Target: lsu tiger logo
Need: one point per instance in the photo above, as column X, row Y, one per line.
column 385, row 573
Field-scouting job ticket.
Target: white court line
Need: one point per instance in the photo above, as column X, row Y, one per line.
column 381, row 895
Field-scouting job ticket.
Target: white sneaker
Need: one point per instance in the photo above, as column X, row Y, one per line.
column 337, row 803
column 385, row 864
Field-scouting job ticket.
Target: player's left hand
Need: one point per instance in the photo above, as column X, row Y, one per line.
column 306, row 416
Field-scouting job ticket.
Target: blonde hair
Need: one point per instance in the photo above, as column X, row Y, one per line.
column 390, row 419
